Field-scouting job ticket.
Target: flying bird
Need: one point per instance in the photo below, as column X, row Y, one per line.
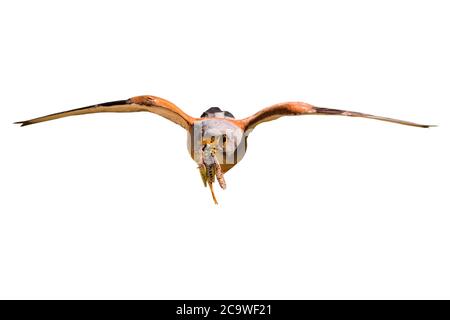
column 216, row 140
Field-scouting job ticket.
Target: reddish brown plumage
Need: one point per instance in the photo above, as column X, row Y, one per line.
column 241, row 127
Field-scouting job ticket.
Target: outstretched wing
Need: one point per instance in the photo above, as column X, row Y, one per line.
column 301, row 108
column 151, row 104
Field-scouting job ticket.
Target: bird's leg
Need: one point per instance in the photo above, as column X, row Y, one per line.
column 210, row 169
column 202, row 170
column 211, row 177
column 219, row 174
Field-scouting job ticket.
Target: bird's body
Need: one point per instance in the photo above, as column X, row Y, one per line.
column 216, row 141
column 216, row 144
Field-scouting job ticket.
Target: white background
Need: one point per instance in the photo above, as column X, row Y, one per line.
column 112, row 206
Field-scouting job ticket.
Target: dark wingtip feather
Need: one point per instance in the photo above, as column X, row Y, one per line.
column 23, row 123
column 424, row 125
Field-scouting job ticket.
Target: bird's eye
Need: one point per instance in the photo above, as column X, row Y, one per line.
column 224, row 137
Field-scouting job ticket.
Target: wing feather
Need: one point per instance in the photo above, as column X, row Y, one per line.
column 151, row 104
column 301, row 108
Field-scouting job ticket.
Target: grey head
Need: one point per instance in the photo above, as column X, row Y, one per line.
column 215, row 112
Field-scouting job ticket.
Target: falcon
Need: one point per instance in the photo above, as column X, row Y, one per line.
column 216, row 140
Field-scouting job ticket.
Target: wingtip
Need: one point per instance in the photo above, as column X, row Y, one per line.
column 22, row 123
column 427, row 125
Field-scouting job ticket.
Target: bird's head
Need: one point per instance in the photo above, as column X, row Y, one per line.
column 215, row 112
